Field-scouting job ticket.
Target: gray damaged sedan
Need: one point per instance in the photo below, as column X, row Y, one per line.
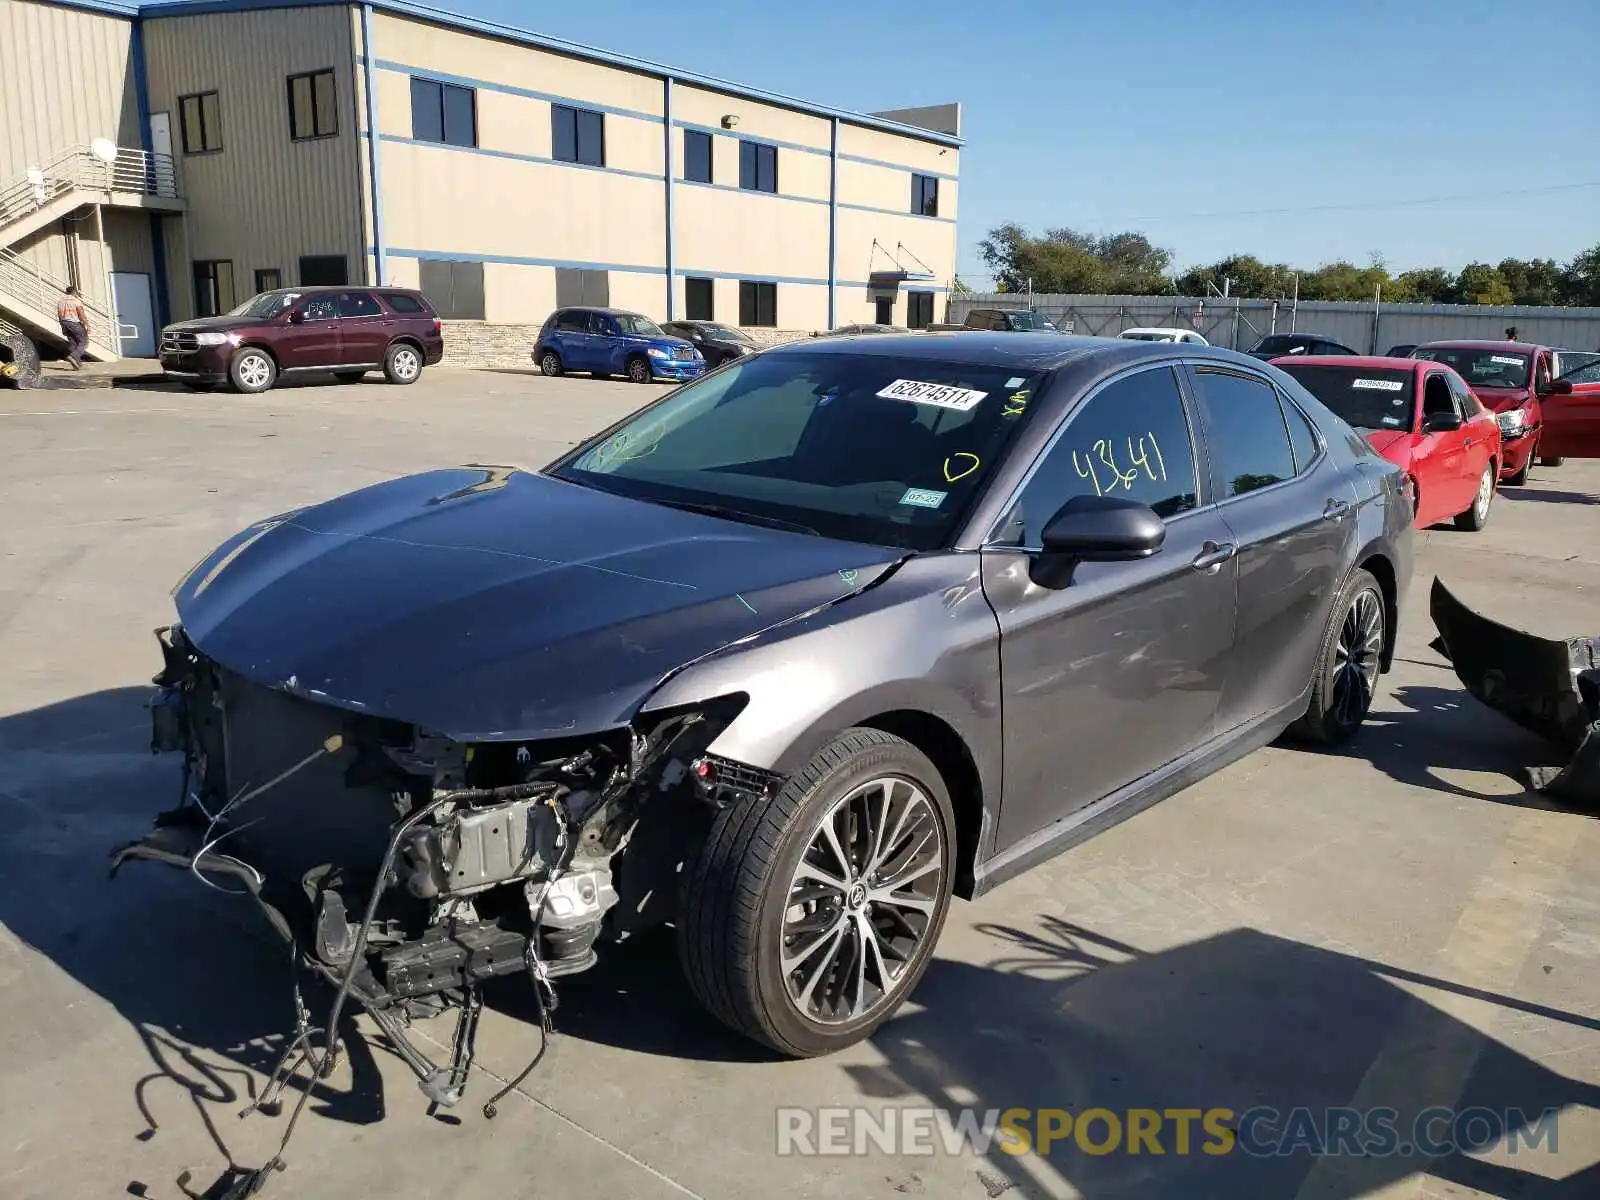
column 787, row 659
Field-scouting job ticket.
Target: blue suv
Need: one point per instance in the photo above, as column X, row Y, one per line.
column 609, row 341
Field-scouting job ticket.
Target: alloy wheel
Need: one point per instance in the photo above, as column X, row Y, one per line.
column 1358, row 657
column 254, row 371
column 639, row 371
column 406, row 364
column 862, row 900
column 1480, row 504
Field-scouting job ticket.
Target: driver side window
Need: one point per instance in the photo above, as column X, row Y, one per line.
column 1130, row 440
column 1437, row 397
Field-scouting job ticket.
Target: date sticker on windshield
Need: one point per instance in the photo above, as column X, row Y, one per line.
column 939, row 395
column 1505, row 359
column 924, row 497
column 1015, row 381
column 1379, row 385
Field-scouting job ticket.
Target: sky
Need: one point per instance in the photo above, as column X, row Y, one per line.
column 1282, row 130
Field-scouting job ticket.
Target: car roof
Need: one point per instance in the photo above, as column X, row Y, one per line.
column 610, row 312
column 1032, row 351
column 1156, row 329
column 1523, row 347
column 1356, row 362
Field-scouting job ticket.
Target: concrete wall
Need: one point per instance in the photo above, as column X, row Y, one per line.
column 263, row 201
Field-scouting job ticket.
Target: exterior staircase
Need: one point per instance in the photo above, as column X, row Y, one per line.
column 113, row 176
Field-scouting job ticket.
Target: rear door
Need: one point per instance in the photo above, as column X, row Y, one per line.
column 1292, row 517
column 1116, row 671
column 364, row 328
column 1445, row 479
column 1572, row 422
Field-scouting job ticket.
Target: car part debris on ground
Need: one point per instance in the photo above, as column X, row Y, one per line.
column 1549, row 687
column 19, row 361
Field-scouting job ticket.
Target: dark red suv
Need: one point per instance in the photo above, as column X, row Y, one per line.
column 346, row 330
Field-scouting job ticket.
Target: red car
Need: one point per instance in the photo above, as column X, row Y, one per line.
column 1513, row 379
column 1422, row 417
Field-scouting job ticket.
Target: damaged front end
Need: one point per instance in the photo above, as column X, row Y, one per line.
column 1549, row 687
column 407, row 868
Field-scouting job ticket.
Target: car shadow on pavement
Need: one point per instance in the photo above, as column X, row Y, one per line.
column 1242, row 1021
column 1539, row 496
column 199, row 976
column 1439, row 731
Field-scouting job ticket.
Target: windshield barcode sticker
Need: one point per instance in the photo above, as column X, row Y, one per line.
column 1506, row 360
column 1379, row 385
column 940, row 395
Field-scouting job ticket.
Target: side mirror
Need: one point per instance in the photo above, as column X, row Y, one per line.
column 1441, row 422
column 1557, row 387
column 1103, row 529
column 297, row 317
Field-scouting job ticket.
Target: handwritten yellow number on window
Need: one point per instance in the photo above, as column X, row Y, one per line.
column 1088, row 474
column 1108, row 456
column 1139, row 454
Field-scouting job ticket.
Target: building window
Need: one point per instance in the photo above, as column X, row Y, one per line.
column 576, row 286
column 443, row 112
column 758, row 303
column 758, row 167
column 919, row 309
column 578, row 135
column 323, row 270
column 699, row 300
column 925, row 195
column 213, row 287
column 312, row 111
column 268, row 279
column 696, row 156
column 201, row 118
column 454, row 288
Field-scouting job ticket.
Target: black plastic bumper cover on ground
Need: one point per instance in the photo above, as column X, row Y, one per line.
column 1549, row 687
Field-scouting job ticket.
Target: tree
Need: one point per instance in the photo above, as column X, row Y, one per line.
column 1249, row 276
column 1429, row 285
column 1580, row 279
column 1066, row 261
column 1537, row 281
column 1479, row 283
column 1344, row 281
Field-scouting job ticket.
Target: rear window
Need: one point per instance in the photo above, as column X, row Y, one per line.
column 1367, row 398
column 401, row 303
column 1481, row 368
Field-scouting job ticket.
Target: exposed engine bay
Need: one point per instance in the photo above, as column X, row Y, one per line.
column 405, row 868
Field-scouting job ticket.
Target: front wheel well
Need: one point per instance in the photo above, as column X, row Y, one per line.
column 265, row 349
column 1382, row 570
column 949, row 754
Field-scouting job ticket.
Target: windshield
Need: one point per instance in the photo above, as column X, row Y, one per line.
column 267, row 304
column 633, row 323
column 1481, row 368
column 1367, row 398
column 726, row 334
column 864, row 447
column 1282, row 343
column 1027, row 320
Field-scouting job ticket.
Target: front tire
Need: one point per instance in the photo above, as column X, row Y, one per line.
column 1345, row 680
column 639, row 369
column 1476, row 517
column 252, row 370
column 810, row 916
column 402, row 364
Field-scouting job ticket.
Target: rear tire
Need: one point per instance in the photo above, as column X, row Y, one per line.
column 801, row 927
column 349, row 376
column 402, row 364
column 639, row 369
column 550, row 364
column 1551, row 461
column 1344, row 682
column 1476, row 517
column 252, row 370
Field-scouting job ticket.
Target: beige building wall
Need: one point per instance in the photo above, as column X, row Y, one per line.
column 263, row 200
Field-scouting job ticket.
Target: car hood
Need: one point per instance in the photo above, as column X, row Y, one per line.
column 1393, row 444
column 664, row 343
column 1501, row 399
column 222, row 324
column 492, row 603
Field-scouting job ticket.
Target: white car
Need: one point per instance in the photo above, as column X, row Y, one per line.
column 1154, row 334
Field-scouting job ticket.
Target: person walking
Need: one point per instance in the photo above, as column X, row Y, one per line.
column 74, row 318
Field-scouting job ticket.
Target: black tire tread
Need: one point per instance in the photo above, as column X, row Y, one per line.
column 1315, row 727
column 724, row 886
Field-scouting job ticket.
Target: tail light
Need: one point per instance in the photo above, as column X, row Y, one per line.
column 438, row 325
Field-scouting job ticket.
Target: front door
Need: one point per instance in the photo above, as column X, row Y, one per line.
column 1572, row 420
column 313, row 339
column 364, row 329
column 1117, row 671
column 135, row 314
column 1444, row 483
column 1293, row 519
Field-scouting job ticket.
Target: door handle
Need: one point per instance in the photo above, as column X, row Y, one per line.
column 1335, row 510
column 1213, row 554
